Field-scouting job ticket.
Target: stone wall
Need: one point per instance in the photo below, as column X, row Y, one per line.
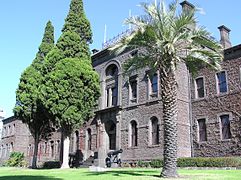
column 213, row 105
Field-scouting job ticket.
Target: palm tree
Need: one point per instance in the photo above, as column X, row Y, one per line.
column 165, row 38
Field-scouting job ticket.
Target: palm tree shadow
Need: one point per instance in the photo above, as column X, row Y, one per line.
column 121, row 172
column 25, row 177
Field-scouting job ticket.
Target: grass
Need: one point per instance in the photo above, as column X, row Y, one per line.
column 115, row 174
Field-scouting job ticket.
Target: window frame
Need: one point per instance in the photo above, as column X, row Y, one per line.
column 217, row 82
column 157, row 135
column 198, row 130
column 133, row 140
column 221, row 125
column 196, row 88
column 133, row 79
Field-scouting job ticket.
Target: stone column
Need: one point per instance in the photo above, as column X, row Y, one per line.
column 118, row 130
column 100, row 161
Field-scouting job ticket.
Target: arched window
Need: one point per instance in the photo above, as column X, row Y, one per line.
column 111, row 91
column 154, row 131
column 133, row 133
column 89, row 139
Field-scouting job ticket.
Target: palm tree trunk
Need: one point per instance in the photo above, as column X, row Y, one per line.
column 65, row 163
column 169, row 99
column 35, row 153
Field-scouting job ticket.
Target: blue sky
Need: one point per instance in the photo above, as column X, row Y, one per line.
column 23, row 22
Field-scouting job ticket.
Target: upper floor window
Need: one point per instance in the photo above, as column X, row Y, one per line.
column 199, row 85
column 222, row 82
column 202, row 132
column 111, row 95
column 133, row 89
column 154, row 84
column 225, row 126
column 154, row 131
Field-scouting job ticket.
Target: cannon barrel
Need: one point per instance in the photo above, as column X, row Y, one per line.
column 111, row 153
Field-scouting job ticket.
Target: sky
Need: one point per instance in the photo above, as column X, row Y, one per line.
column 23, row 22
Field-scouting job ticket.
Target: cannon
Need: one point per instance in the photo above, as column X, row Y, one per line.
column 112, row 157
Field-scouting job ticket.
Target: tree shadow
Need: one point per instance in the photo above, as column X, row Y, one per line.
column 25, row 177
column 123, row 172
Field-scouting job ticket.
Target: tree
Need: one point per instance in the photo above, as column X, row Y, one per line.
column 71, row 88
column 28, row 106
column 165, row 39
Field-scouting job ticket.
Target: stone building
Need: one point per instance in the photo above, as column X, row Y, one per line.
column 129, row 114
column 216, row 105
column 15, row 136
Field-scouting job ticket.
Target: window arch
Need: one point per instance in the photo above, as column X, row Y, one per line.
column 154, row 131
column 133, row 133
column 111, row 81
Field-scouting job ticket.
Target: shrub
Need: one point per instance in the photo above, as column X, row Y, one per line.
column 209, row 162
column 51, row 165
column 143, row 164
column 156, row 163
column 16, row 159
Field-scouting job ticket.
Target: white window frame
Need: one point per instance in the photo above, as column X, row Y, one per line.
column 220, row 124
column 195, row 87
column 217, row 86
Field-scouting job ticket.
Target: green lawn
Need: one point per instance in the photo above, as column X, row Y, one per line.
column 115, row 174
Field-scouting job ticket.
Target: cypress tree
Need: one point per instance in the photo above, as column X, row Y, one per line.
column 76, row 21
column 71, row 88
column 28, row 106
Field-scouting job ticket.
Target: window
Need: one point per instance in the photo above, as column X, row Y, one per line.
column 52, row 148
column 45, row 147
column 111, row 95
column 114, row 96
column 58, row 146
column 199, row 87
column 154, row 84
column 11, row 147
column 225, row 126
column 133, row 133
column 221, row 82
column 154, row 131
column 89, row 139
column 133, row 90
column 202, row 133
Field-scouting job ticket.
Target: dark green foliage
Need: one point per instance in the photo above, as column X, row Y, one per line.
column 143, row 164
column 71, row 44
column 29, row 107
column 46, row 45
column 71, row 92
column 209, row 162
column 196, row 162
column 76, row 21
column 71, row 87
column 16, row 159
column 156, row 163
column 51, row 165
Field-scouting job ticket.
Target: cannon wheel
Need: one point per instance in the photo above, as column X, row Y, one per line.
column 119, row 162
column 108, row 162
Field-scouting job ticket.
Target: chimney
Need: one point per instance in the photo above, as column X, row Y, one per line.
column 95, row 51
column 187, row 6
column 224, row 33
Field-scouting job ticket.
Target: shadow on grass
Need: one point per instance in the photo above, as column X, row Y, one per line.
column 25, row 177
column 136, row 173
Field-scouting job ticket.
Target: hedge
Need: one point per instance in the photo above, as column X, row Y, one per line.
column 196, row 162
